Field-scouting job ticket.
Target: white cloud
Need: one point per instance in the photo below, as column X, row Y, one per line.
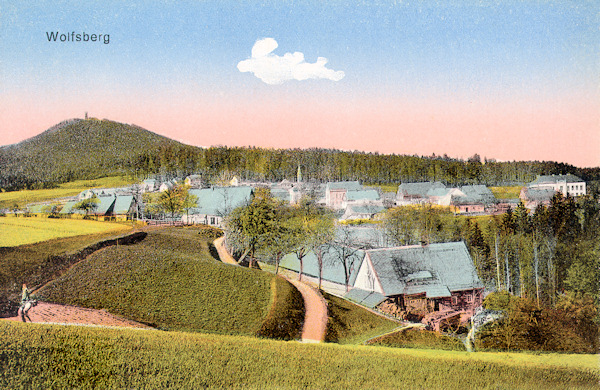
column 273, row 69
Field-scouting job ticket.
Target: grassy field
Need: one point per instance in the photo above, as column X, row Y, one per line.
column 169, row 280
column 506, row 192
column 20, row 231
column 351, row 324
column 53, row 356
column 22, row 198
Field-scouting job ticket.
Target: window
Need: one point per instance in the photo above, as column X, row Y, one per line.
column 454, row 300
column 469, row 298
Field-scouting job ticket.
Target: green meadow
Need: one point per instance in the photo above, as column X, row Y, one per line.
column 53, row 356
column 24, row 197
column 20, row 231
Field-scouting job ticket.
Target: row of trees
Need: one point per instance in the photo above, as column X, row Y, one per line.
column 269, row 229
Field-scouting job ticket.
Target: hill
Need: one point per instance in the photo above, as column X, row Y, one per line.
column 77, row 149
column 171, row 281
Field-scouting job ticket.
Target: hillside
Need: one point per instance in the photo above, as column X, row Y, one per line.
column 77, row 149
column 169, row 280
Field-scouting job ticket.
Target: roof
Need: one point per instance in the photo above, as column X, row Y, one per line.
column 366, row 209
column 362, row 195
column 369, row 299
column 435, row 269
column 333, row 269
column 37, row 208
column 538, row 194
column 344, row 185
column 552, row 179
column 419, row 189
column 439, row 192
column 220, row 200
column 68, row 207
column 122, row 204
column 105, row 205
column 474, row 194
column 281, row 194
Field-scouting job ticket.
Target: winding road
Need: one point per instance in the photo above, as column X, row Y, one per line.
column 315, row 306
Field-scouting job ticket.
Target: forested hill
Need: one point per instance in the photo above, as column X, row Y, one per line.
column 92, row 148
column 76, row 149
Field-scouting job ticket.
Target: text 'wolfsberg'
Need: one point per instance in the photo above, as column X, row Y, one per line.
column 74, row 37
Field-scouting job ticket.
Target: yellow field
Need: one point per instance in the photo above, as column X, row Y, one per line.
column 20, row 231
column 22, row 198
column 506, row 192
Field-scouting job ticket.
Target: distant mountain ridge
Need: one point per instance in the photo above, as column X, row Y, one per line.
column 76, row 149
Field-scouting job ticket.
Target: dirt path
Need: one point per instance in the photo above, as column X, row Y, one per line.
column 223, row 254
column 315, row 316
column 51, row 313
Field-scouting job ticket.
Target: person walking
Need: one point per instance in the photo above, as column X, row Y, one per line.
column 26, row 303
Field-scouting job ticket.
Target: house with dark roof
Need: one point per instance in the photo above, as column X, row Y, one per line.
column 419, row 193
column 421, row 279
column 215, row 203
column 474, row 199
column 565, row 184
column 532, row 197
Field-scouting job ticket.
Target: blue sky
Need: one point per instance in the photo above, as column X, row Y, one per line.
column 426, row 52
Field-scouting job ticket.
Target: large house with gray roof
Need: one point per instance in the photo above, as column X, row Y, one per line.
column 410, row 279
column 215, row 203
column 565, row 184
column 421, row 279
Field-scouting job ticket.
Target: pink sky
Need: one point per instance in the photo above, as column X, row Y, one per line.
column 563, row 132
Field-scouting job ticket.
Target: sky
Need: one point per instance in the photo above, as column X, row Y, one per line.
column 508, row 80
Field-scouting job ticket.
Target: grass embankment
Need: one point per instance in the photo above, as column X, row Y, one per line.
column 286, row 316
column 418, row 338
column 169, row 280
column 36, row 264
column 351, row 324
column 44, row 356
column 20, row 231
column 24, row 197
column 512, row 192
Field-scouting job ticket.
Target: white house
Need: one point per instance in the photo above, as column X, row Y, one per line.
column 565, row 184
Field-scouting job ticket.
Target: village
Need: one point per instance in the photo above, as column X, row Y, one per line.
column 433, row 283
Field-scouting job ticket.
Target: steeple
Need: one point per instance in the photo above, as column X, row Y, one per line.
column 299, row 175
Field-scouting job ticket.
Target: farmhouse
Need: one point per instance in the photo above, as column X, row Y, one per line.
column 473, row 199
column 565, row 184
column 421, row 279
column 215, row 203
column 335, row 193
column 367, row 211
column 418, row 193
column 532, row 197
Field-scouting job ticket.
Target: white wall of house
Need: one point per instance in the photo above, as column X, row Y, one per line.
column 366, row 278
column 573, row 189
